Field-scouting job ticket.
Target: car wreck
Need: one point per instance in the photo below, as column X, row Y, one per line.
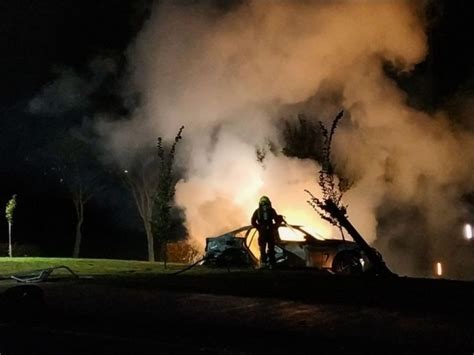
column 239, row 248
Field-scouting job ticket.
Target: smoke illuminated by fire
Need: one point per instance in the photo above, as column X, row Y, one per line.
column 229, row 74
column 226, row 196
column 226, row 77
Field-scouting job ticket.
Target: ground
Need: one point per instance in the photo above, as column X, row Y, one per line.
column 137, row 306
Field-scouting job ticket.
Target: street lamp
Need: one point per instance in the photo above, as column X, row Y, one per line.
column 468, row 231
column 439, row 269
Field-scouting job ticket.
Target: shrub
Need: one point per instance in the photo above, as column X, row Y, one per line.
column 182, row 252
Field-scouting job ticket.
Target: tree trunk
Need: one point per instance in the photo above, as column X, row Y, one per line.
column 141, row 191
column 78, row 239
column 165, row 253
column 79, row 206
column 10, row 250
column 162, row 250
column 149, row 239
column 379, row 265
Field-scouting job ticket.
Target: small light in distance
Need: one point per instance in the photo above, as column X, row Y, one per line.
column 125, row 171
column 468, row 231
column 439, row 269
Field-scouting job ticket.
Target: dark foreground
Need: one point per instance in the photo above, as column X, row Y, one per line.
column 262, row 312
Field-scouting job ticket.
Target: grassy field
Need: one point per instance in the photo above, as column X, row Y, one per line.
column 10, row 266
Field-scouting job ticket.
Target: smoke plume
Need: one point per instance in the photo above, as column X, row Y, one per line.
column 72, row 91
column 228, row 75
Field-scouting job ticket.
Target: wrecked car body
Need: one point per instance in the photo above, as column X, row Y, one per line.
column 239, row 248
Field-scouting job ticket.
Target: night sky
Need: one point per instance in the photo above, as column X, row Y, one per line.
column 40, row 38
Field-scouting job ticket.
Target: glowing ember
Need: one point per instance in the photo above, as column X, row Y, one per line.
column 439, row 269
column 468, row 231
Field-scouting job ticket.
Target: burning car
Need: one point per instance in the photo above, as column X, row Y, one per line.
column 296, row 249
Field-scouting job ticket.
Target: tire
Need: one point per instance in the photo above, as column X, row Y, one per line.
column 347, row 263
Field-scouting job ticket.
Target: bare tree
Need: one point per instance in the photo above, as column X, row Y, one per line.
column 81, row 193
column 164, row 195
column 80, row 173
column 332, row 187
column 151, row 182
column 330, row 206
column 142, row 179
column 9, row 214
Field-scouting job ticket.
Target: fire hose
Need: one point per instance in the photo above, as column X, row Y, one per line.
column 189, row 266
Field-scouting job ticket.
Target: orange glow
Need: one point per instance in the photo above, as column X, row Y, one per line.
column 290, row 234
column 309, row 221
column 439, row 269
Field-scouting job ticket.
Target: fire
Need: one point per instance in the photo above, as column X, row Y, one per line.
column 287, row 233
column 226, row 195
column 308, row 221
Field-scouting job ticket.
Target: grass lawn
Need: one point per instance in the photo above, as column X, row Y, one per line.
column 9, row 266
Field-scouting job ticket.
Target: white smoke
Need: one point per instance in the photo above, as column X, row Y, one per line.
column 226, row 76
column 71, row 90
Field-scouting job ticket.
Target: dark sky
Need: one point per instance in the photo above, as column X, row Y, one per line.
column 38, row 39
column 448, row 68
column 40, row 36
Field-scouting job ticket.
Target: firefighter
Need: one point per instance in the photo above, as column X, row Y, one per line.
column 266, row 221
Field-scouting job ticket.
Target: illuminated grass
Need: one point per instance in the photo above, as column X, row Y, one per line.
column 9, row 266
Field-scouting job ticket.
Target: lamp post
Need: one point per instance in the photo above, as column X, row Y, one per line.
column 439, row 269
column 468, row 231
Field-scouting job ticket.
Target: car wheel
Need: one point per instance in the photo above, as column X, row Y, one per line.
column 346, row 263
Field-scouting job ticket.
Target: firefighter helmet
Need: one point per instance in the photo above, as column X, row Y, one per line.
column 264, row 200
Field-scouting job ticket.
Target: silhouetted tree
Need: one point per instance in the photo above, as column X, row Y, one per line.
column 141, row 176
column 79, row 172
column 164, row 195
column 150, row 179
column 332, row 187
column 330, row 206
column 9, row 213
column 303, row 139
